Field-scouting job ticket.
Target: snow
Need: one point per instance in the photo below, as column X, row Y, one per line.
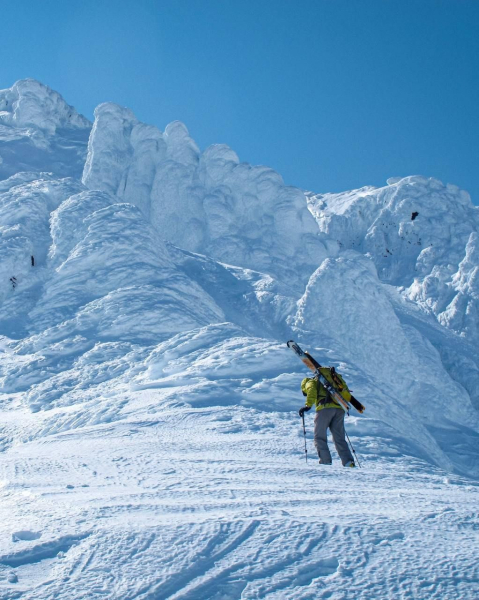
column 150, row 441
column 30, row 103
column 203, row 503
column 39, row 131
column 427, row 255
column 205, row 202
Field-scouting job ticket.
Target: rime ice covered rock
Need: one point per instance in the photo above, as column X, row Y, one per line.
column 29, row 103
column 39, row 131
column 416, row 231
column 205, row 202
column 462, row 312
column 109, row 147
column 123, row 153
column 407, row 227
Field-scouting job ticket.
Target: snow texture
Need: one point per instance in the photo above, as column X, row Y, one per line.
column 421, row 236
column 206, row 202
column 39, row 131
column 151, row 446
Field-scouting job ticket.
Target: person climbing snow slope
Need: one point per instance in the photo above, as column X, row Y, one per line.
column 329, row 415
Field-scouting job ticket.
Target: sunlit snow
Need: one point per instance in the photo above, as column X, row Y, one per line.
column 151, row 445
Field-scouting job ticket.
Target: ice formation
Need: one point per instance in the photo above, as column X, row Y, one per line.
column 29, row 103
column 421, row 236
column 39, row 131
column 148, row 290
column 206, row 202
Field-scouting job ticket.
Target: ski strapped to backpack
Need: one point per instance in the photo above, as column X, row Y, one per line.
column 333, row 387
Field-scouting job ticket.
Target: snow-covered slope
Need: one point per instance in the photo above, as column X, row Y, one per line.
column 151, row 443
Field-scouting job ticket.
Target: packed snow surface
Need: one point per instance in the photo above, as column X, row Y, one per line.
column 151, row 446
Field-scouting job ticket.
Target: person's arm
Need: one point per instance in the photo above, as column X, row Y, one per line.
column 311, row 397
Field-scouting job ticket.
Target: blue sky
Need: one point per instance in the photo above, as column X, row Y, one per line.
column 333, row 94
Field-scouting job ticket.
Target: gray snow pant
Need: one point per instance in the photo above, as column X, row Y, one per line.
column 334, row 419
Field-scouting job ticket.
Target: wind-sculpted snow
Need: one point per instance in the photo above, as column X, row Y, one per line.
column 454, row 297
column 55, row 362
column 25, row 209
column 23, row 177
column 151, row 444
column 115, row 248
column 204, row 202
column 420, row 235
column 413, row 391
column 253, row 300
column 69, row 224
column 119, row 260
column 29, row 103
column 39, row 131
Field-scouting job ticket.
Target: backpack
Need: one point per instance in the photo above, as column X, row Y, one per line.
column 335, row 379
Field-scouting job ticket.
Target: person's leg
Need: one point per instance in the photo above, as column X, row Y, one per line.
column 321, row 424
column 339, row 436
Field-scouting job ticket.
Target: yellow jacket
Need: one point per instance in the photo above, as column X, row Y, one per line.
column 317, row 394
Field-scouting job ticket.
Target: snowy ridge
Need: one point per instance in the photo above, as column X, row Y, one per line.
column 149, row 432
column 421, row 235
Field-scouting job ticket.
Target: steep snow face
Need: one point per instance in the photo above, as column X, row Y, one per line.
column 111, row 266
column 453, row 294
column 421, row 235
column 116, row 248
column 39, row 131
column 25, row 208
column 204, row 202
column 412, row 388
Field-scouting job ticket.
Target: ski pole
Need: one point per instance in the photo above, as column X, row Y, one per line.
column 304, row 432
column 354, row 451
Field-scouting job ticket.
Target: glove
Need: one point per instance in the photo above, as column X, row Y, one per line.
column 304, row 409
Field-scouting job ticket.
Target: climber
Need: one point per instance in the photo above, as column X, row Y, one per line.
column 329, row 415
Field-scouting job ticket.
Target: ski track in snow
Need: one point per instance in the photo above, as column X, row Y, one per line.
column 220, row 503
